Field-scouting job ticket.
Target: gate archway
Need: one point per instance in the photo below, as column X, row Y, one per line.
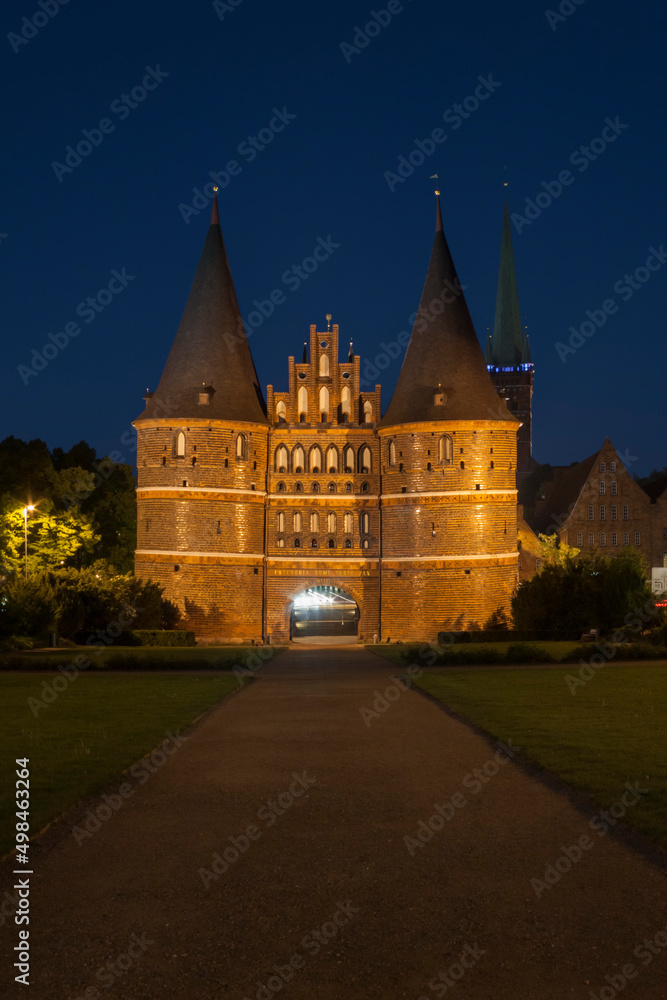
column 324, row 612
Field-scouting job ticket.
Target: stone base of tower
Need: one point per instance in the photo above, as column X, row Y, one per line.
column 218, row 600
column 420, row 600
column 287, row 579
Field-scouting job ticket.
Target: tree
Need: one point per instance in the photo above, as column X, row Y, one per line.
column 75, row 482
column 554, row 552
column 593, row 591
column 54, row 537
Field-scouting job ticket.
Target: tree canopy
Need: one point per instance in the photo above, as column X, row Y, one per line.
column 85, row 507
column 591, row 591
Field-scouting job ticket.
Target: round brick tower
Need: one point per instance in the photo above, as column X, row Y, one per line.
column 448, row 460
column 202, row 459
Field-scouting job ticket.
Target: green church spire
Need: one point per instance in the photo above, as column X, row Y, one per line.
column 508, row 341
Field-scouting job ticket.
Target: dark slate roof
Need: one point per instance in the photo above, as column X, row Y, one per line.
column 210, row 348
column 565, row 495
column 443, row 350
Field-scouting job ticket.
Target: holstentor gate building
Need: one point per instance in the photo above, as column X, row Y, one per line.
column 247, row 504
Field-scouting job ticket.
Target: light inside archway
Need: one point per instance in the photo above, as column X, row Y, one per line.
column 318, row 598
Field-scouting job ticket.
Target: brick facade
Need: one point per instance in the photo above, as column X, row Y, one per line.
column 418, row 524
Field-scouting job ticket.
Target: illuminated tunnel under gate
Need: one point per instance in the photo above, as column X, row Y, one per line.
column 324, row 611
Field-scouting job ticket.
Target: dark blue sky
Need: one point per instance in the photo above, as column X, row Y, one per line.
column 217, row 76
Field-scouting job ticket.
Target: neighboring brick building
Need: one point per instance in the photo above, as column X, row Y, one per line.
column 263, row 518
column 596, row 504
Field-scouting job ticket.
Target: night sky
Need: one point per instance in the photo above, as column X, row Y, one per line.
column 223, row 73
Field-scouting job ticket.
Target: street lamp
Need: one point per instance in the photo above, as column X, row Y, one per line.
column 25, row 525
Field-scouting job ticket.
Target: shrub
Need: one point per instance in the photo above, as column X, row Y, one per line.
column 523, row 652
column 470, row 657
column 18, row 642
column 29, row 607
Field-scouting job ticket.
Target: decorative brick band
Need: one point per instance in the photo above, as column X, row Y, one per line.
column 198, row 493
column 456, row 496
column 462, row 559
column 159, row 555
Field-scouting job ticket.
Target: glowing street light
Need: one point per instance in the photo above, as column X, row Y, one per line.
column 25, row 525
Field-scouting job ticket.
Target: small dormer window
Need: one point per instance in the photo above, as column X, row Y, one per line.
column 204, row 398
column 180, row 445
column 439, row 397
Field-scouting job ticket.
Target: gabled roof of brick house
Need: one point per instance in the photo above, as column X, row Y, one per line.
column 569, row 487
column 210, row 349
column 443, row 354
column 565, row 495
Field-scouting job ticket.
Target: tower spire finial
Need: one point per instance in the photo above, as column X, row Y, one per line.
column 215, row 215
column 438, row 211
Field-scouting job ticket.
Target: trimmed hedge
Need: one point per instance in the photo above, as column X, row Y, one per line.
column 163, row 637
column 139, row 637
column 623, row 652
column 506, row 635
column 516, row 654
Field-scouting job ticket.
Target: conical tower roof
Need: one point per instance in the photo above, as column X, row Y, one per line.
column 443, row 351
column 210, row 350
column 507, row 349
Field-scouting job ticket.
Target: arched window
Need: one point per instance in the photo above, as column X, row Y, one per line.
column 612, row 466
column 241, row 447
column 297, row 543
column 331, row 544
column 282, row 458
column 368, row 412
column 365, row 523
column 281, row 410
column 315, row 459
column 364, row 487
column 180, row 445
column 346, row 401
column 364, row 543
column 280, row 521
column 348, row 543
column 313, row 543
column 348, row 524
column 299, row 488
column 297, row 521
column 281, row 487
column 463, row 465
column 324, row 402
column 324, row 364
column 365, row 462
column 280, row 543
column 331, row 523
column 349, row 459
column 332, row 459
column 603, row 467
column 298, row 459
column 348, row 487
column 332, row 487
column 302, row 402
column 314, row 522
column 392, row 452
column 445, row 450
column 315, row 488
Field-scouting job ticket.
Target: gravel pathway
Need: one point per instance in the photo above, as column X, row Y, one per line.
column 268, row 856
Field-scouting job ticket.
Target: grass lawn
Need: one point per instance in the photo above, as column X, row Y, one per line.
column 611, row 730
column 98, row 726
column 143, row 657
column 556, row 649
